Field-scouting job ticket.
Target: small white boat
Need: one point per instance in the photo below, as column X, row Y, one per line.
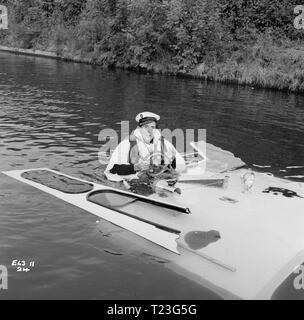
column 242, row 232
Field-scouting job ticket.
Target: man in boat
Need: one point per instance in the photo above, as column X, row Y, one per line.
column 145, row 149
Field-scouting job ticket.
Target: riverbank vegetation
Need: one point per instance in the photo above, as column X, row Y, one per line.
column 252, row 42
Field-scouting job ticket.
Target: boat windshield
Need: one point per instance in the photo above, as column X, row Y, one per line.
column 141, row 208
column 217, row 159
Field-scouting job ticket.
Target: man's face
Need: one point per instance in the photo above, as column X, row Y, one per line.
column 150, row 127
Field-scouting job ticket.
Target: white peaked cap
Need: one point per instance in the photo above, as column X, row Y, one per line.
column 144, row 115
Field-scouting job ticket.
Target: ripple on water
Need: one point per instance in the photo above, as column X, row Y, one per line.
column 43, row 125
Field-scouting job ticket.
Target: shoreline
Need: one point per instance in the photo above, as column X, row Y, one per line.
column 152, row 69
column 221, row 41
column 30, row 52
column 197, row 73
column 42, row 54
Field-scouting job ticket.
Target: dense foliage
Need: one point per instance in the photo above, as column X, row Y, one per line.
column 246, row 41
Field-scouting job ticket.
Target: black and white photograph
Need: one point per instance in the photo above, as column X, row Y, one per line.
column 151, row 153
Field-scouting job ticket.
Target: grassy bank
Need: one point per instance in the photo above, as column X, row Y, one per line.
column 249, row 42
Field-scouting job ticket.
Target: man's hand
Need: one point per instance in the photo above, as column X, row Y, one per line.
column 141, row 166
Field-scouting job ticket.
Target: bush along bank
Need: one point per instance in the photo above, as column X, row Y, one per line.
column 251, row 42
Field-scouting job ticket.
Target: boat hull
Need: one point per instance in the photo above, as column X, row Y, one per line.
column 260, row 234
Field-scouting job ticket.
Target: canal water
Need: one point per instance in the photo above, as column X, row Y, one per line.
column 51, row 114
